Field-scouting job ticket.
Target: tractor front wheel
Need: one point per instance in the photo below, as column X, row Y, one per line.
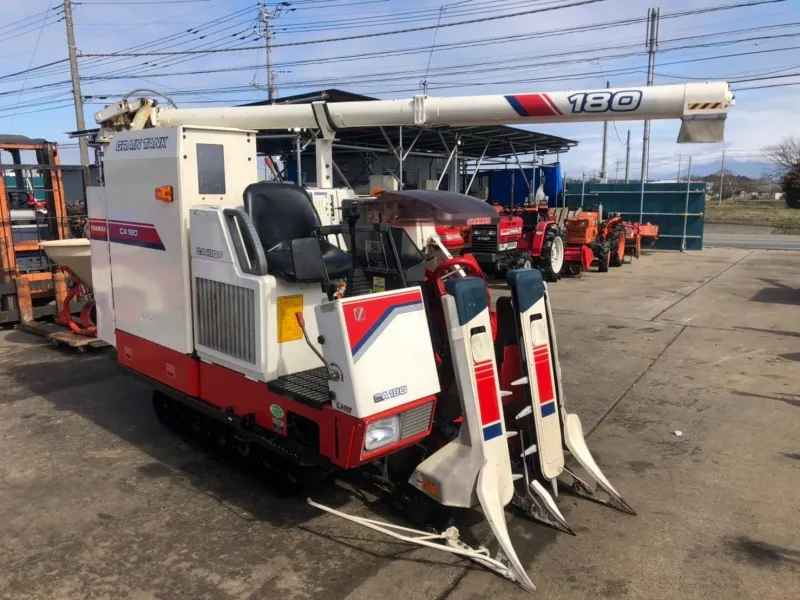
column 551, row 262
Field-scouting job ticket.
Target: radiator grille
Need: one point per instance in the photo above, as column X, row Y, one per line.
column 484, row 238
column 415, row 421
column 226, row 318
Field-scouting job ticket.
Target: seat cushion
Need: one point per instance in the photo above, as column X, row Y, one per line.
column 279, row 259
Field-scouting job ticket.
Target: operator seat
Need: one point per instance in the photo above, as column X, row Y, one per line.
column 282, row 212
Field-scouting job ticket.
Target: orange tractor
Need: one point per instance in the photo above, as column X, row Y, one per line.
column 593, row 240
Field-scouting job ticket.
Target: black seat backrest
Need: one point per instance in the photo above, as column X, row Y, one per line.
column 280, row 212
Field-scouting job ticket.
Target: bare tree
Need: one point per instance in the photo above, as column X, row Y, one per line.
column 784, row 155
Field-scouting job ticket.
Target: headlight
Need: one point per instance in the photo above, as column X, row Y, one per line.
column 382, row 433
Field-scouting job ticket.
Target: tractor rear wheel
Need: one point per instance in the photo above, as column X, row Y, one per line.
column 616, row 244
column 605, row 257
column 551, row 262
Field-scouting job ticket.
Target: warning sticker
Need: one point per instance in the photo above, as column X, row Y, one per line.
column 378, row 284
column 288, row 327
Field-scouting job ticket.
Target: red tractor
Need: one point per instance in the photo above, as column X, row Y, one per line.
column 527, row 236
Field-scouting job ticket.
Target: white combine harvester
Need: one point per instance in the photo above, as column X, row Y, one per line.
column 251, row 308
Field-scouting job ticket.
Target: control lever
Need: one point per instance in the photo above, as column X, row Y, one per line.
column 332, row 375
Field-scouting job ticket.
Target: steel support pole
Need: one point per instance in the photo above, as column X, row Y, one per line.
column 477, row 166
column 521, row 170
column 400, row 159
column 456, row 171
column 397, row 155
column 298, row 153
column 686, row 206
column 583, row 186
column 383, row 166
column 411, row 147
column 446, row 165
column 341, row 175
column 628, row 158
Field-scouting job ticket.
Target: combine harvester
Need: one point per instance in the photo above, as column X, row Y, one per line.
column 250, row 308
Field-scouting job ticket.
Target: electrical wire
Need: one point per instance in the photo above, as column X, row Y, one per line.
column 33, row 55
column 575, row 3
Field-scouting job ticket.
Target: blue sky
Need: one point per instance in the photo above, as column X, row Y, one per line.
column 744, row 43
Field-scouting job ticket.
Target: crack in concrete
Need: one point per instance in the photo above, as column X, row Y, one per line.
column 701, row 286
column 633, row 385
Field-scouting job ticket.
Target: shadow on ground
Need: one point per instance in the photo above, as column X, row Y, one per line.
column 777, row 293
column 123, row 408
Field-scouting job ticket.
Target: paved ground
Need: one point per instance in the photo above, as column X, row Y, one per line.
column 757, row 241
column 98, row 501
column 731, row 227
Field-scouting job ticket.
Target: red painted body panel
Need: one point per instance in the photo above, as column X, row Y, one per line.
column 538, row 238
column 166, row 366
column 341, row 436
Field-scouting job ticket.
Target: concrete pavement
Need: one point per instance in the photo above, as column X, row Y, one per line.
column 751, row 241
column 99, row 501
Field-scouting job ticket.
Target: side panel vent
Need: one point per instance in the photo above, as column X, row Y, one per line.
column 226, row 318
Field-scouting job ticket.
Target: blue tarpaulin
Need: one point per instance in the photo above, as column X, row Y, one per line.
column 500, row 183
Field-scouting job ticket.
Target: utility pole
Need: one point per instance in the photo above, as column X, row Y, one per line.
column 721, row 175
column 628, row 158
column 603, row 165
column 679, row 166
column 265, row 17
column 76, row 88
column 653, row 18
column 616, row 175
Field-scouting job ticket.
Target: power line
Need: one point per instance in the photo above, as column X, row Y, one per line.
column 429, row 27
column 766, row 87
column 16, row 24
column 139, row 2
column 463, row 67
column 33, row 55
column 375, row 34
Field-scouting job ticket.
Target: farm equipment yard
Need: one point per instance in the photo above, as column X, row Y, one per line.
column 682, row 366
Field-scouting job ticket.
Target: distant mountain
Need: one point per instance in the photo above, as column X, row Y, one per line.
column 748, row 168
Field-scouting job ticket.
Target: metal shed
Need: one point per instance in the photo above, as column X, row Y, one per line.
column 413, row 157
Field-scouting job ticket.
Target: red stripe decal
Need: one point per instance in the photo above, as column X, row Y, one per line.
column 362, row 316
column 544, row 379
column 98, row 230
column 487, row 393
column 552, row 104
column 135, row 234
column 535, row 105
